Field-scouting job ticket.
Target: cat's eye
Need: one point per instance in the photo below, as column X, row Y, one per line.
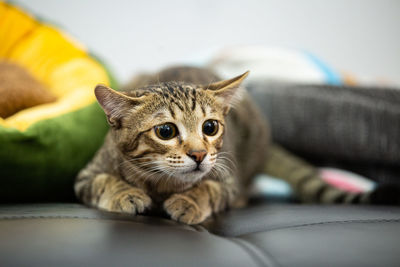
column 166, row 131
column 210, row 127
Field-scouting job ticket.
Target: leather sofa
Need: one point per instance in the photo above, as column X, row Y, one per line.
column 260, row 235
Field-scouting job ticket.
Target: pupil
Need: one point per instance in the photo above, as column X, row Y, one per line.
column 209, row 127
column 165, row 131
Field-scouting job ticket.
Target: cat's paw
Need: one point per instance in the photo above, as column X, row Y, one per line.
column 184, row 209
column 130, row 201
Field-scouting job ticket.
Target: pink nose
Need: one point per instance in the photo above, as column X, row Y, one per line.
column 197, row 155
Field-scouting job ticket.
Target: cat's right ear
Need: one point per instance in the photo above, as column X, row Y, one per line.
column 115, row 104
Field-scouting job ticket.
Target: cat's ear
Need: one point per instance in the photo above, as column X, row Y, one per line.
column 115, row 104
column 228, row 91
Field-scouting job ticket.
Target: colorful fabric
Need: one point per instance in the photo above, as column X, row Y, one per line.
column 273, row 64
column 346, row 181
column 43, row 147
column 276, row 189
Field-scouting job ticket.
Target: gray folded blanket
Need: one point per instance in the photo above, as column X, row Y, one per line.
column 353, row 127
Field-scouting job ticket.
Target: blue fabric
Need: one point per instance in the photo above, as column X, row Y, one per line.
column 331, row 76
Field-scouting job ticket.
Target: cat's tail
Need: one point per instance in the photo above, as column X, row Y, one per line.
column 310, row 188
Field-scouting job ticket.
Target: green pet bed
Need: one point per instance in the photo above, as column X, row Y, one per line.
column 43, row 147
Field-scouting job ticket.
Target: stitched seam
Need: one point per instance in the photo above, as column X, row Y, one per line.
column 322, row 223
column 27, row 217
column 11, row 217
column 254, row 252
column 241, row 233
column 335, row 222
column 269, row 260
column 16, row 217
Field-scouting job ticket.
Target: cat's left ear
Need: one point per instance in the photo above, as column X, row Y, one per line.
column 227, row 91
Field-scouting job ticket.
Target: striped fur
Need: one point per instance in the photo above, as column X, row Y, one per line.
column 305, row 181
column 135, row 171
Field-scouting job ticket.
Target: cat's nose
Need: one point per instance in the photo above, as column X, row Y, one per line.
column 197, row 155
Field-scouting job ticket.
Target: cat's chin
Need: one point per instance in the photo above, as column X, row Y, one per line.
column 192, row 176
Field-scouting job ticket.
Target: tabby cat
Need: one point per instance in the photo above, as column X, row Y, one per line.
column 186, row 143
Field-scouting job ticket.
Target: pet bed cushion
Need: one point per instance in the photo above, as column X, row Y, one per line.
column 43, row 147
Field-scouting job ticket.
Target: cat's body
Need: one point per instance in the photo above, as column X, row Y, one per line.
column 181, row 148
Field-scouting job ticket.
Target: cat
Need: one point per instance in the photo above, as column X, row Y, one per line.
column 184, row 142
column 20, row 90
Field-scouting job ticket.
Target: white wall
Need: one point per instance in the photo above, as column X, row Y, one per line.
column 361, row 36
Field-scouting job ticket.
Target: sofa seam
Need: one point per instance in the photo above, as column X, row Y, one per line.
column 256, row 254
column 17, row 217
column 27, row 217
column 334, row 222
column 244, row 232
column 268, row 259
column 22, row 217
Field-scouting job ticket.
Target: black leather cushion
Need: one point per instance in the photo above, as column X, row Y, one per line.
column 265, row 235
column 316, row 235
column 72, row 235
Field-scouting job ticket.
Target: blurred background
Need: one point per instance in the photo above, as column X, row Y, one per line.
column 297, row 52
column 359, row 37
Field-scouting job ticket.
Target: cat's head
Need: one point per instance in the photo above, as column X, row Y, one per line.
column 172, row 130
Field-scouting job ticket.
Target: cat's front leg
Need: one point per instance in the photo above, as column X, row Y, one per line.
column 107, row 192
column 198, row 203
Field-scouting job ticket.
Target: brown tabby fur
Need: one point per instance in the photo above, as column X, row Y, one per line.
column 123, row 176
column 20, row 90
column 135, row 171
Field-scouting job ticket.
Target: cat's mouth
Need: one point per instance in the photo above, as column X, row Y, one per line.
column 192, row 173
column 195, row 170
